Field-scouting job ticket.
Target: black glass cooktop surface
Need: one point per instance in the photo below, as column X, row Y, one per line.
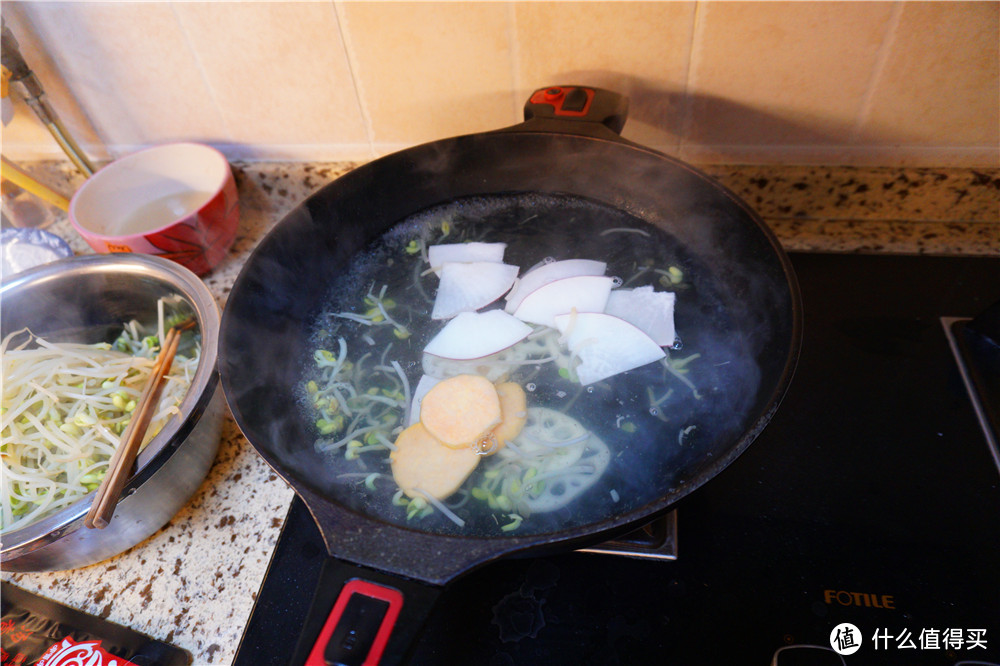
column 872, row 498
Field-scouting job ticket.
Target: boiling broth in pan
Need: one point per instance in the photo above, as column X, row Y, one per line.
column 587, row 453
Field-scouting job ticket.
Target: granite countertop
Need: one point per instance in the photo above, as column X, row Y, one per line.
column 194, row 582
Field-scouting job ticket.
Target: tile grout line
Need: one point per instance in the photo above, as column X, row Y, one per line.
column 202, row 73
column 693, row 60
column 514, row 44
column 359, row 97
column 881, row 58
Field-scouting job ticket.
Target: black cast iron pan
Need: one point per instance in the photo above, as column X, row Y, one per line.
column 562, row 184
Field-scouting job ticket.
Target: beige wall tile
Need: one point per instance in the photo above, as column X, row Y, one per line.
column 278, row 72
column 130, row 68
column 782, row 73
column 819, row 82
column 940, row 84
column 639, row 49
column 24, row 129
column 430, row 70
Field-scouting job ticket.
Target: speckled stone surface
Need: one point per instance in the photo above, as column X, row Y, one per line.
column 194, row 582
column 851, row 209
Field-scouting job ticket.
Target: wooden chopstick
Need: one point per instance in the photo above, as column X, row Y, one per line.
column 123, row 460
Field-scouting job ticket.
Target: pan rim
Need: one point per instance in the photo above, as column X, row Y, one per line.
column 595, row 530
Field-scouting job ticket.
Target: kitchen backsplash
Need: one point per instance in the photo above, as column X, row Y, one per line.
column 857, row 83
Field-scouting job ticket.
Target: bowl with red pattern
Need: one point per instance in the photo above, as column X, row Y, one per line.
column 175, row 200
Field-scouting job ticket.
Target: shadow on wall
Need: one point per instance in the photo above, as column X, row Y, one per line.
column 665, row 117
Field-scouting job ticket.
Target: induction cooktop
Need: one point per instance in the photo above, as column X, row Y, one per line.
column 861, row 527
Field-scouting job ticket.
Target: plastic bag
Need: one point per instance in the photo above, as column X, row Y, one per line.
column 38, row 632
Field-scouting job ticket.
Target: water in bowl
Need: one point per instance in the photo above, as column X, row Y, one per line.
column 159, row 212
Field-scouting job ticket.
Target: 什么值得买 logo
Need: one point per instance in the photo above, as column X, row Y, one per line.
column 845, row 638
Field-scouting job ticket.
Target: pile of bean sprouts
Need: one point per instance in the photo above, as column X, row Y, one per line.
column 65, row 407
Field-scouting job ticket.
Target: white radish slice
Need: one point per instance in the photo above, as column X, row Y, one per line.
column 583, row 293
column 476, row 334
column 605, row 345
column 546, row 273
column 465, row 252
column 466, row 287
column 651, row 311
column 425, row 384
column 494, row 367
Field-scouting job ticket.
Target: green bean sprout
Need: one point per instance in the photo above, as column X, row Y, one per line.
column 359, row 408
column 378, row 351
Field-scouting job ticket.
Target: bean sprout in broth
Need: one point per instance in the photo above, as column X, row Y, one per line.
column 587, row 452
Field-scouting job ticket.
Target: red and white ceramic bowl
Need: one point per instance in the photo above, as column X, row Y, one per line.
column 177, row 200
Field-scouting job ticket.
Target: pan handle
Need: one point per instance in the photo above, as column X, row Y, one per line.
column 363, row 617
column 575, row 110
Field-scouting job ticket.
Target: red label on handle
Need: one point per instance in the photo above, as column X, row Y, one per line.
column 565, row 101
column 392, row 596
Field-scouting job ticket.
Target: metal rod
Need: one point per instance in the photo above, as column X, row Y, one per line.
column 24, row 81
column 70, row 147
column 13, row 173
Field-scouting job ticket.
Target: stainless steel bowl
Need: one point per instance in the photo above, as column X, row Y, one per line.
column 87, row 299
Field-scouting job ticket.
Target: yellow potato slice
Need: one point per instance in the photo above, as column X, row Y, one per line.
column 513, row 410
column 461, row 410
column 422, row 461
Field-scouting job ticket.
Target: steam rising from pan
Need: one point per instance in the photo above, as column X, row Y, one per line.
column 275, row 305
